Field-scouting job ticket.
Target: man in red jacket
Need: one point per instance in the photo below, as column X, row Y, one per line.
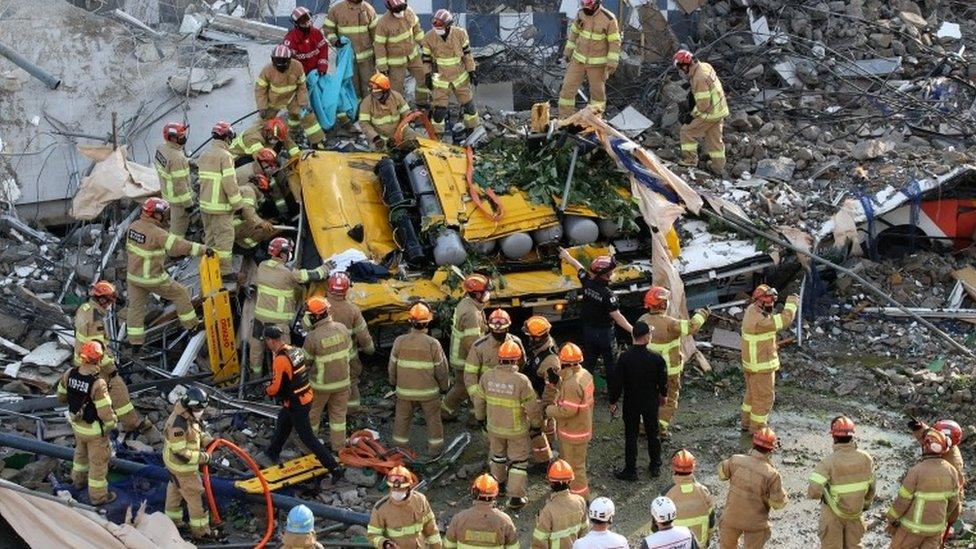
column 307, row 43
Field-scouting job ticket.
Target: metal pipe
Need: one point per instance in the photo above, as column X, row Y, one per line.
column 34, row 70
column 160, row 474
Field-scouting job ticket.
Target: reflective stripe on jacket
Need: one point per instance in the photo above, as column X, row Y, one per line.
column 327, row 347
column 219, row 193
column 928, row 498
column 409, row 523
column 395, row 40
column 759, row 347
column 357, row 22
column 417, row 367
column 174, row 174
column 594, row 39
column 666, row 334
column 710, row 103
column 147, row 245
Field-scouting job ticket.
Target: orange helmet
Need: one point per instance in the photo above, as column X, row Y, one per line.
column 842, row 426
column 262, row 182
column 934, row 442
column 509, row 351
column 175, row 132
column 499, row 321
column 683, row 462
column 570, row 354
column 537, row 326
column 318, row 306
column 560, row 471
column 379, row 82
column 476, row 283
column 223, row 131
column 339, row 283
column 275, row 128
column 764, row 438
column 657, row 298
column 91, row 352
column 765, row 294
column 399, row 477
column 951, row 429
column 103, row 289
column 485, row 486
column 420, row 313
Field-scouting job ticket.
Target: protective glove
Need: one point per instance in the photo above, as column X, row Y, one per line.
column 915, row 425
column 793, row 298
column 267, row 227
column 611, row 69
column 268, row 114
column 703, row 312
column 429, row 80
column 552, row 377
column 389, row 544
column 337, row 43
column 685, row 118
column 209, row 252
column 379, row 142
column 204, row 457
column 473, row 76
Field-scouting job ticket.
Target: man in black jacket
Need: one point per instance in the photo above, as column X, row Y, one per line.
column 642, row 376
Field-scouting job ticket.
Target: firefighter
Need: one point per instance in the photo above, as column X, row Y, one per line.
column 300, row 529
column 953, row 432
column 706, row 117
column 507, row 405
column 249, row 228
column 277, row 290
column 281, row 87
column 666, row 532
column 563, row 519
column 148, row 244
column 398, row 33
column 290, row 385
column 418, row 371
column 760, row 358
column 754, row 488
column 482, row 525
column 91, row 418
column 928, row 500
column 666, row 334
column 348, row 314
column 601, row 513
column 405, row 520
column 263, row 134
column 277, row 200
column 467, row 325
column 381, row 111
column 355, row 20
column 543, row 363
column 307, row 43
column 483, row 355
column 327, row 346
column 449, row 65
column 220, row 196
column 696, row 508
column 174, row 176
column 844, row 483
column 183, row 453
column 573, row 412
column 600, row 308
column 592, row 51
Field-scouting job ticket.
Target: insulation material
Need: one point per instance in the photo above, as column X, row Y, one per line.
column 799, row 239
column 113, row 178
column 845, row 226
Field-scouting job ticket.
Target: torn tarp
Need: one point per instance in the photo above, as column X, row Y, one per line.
column 113, row 178
column 333, row 93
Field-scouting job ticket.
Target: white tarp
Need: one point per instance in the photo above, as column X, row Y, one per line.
column 113, row 178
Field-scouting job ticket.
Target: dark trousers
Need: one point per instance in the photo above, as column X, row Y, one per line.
column 598, row 343
column 296, row 417
column 632, row 418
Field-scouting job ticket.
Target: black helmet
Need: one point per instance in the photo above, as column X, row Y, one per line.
column 195, row 398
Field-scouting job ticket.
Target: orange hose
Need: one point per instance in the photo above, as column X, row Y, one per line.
column 473, row 189
column 368, row 452
column 398, row 133
column 241, row 453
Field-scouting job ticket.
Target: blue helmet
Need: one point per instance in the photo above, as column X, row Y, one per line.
column 300, row 520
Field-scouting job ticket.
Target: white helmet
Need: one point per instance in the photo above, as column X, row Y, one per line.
column 663, row 509
column 602, row 509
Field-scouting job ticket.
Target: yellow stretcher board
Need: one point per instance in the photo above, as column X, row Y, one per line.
column 219, row 323
column 287, row 474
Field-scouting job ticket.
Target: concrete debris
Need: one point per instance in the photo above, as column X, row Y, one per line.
column 50, row 354
column 781, row 168
column 198, row 80
column 631, row 122
column 871, row 149
column 949, row 30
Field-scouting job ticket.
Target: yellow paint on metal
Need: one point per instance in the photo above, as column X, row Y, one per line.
column 447, row 165
column 218, row 322
column 520, row 215
column 288, row 473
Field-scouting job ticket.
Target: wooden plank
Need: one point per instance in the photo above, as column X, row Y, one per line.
column 968, row 278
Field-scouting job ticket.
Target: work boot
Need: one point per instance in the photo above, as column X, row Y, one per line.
column 688, row 160
column 448, row 418
column 112, row 496
column 655, row 470
column 517, row 503
column 625, row 474
column 337, row 474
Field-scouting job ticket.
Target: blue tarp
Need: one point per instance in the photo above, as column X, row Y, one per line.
column 334, row 92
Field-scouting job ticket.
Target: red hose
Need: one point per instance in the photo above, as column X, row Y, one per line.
column 214, row 512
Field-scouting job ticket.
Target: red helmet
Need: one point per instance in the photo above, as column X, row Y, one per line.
column 683, row 57
column 91, row 352
column 442, row 18
column 154, row 206
column 842, row 426
column 589, row 3
column 281, row 51
column 935, row 442
column 300, row 13
column 951, row 429
column 103, row 289
column 267, row 157
column 764, row 438
column 275, row 128
column 222, row 130
column 339, row 283
column 499, row 321
column 602, row 265
column 657, row 298
column 476, row 283
column 175, row 132
column 396, row 5
column 765, row 294
column 280, row 247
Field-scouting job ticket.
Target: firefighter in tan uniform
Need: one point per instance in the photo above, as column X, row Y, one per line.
column 706, row 117
column 271, row 134
column 250, row 229
column 355, row 20
column 928, row 501
column 300, row 529
column 844, row 483
column 418, row 371
column 183, row 453
column 573, row 412
column 174, row 176
column 482, row 525
column 563, row 519
column 381, row 111
column 953, row 432
column 666, row 334
column 348, row 314
column 446, row 53
column 483, row 355
column 327, row 346
column 278, row 288
column 395, row 44
column 592, row 51
column 405, row 520
column 281, row 87
column 508, row 407
column 696, row 508
column 220, row 196
column 91, row 418
column 467, row 325
column 754, row 488
column 148, row 244
column 543, row 363
column 760, row 356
